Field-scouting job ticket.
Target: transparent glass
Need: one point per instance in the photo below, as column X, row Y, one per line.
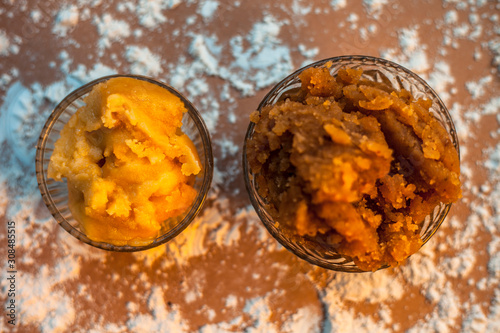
column 55, row 194
column 375, row 69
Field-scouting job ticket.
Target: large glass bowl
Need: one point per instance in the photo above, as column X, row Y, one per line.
column 375, row 69
column 55, row 194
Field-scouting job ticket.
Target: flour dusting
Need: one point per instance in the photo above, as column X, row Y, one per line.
column 225, row 272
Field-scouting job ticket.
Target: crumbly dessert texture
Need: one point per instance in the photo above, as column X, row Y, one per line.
column 354, row 164
column 451, row 282
column 128, row 165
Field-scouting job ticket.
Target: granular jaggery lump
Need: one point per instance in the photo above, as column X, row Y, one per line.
column 353, row 163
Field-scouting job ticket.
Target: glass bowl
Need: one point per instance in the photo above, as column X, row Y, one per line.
column 375, row 69
column 55, row 194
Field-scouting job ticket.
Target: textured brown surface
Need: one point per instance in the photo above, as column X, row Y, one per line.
column 232, row 254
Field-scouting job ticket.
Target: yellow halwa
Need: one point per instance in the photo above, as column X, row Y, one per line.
column 128, row 165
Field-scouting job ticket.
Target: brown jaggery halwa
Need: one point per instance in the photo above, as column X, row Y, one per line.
column 353, row 163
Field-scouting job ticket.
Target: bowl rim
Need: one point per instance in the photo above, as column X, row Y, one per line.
column 207, row 169
column 362, row 59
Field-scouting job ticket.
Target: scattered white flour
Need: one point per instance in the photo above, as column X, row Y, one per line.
column 411, row 53
column 266, row 61
column 215, row 226
column 343, row 319
column 338, row 4
column 150, row 12
column 461, row 31
column 22, row 117
column 382, row 286
column 36, row 16
column 475, row 320
column 160, row 319
column 301, row 9
column 308, row 53
column 451, row 17
column 441, row 79
column 207, row 51
column 374, row 7
column 228, row 148
column 224, row 327
column 304, row 320
column 54, row 313
column 353, row 18
column 143, row 61
column 461, row 264
column 218, row 71
column 231, row 301
column 494, row 46
column 477, row 89
column 260, row 64
column 208, row 8
column 66, row 20
column 6, row 46
column 260, row 313
column 409, row 40
column 494, row 316
column 81, row 74
column 110, row 30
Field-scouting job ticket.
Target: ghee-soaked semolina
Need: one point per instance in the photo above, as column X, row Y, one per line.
column 128, row 165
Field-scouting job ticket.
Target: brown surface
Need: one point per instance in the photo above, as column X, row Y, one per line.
column 354, row 164
column 254, row 267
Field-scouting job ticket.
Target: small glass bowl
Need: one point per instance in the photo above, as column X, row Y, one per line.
column 375, row 69
column 55, row 194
